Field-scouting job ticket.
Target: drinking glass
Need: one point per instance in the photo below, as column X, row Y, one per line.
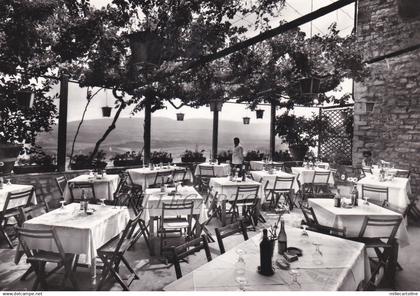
column 9, row 181
column 294, row 284
column 103, row 202
column 304, row 236
column 62, row 204
column 240, row 269
column 366, row 200
column 317, row 257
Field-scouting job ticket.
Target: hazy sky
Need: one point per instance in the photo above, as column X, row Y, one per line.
column 293, row 9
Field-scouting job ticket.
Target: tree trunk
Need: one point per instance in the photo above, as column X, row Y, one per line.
column 147, row 130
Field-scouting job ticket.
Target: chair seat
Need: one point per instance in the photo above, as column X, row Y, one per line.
column 175, row 224
column 43, row 256
column 372, row 242
column 110, row 246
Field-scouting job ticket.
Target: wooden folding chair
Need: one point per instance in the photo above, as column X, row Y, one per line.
column 178, row 175
column 39, row 258
column 112, row 253
column 228, row 230
column 403, row 174
column 87, row 186
column 183, row 251
column 385, row 246
column 376, row 195
column 161, row 177
column 246, row 198
column 283, row 186
column 14, row 200
column 312, row 222
column 61, row 182
column 206, row 173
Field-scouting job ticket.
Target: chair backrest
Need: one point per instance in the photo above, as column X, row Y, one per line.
column 177, row 208
column 321, row 178
column 228, row 230
column 162, row 175
column 278, row 166
column 128, row 236
column 178, row 175
column 61, row 182
column 377, row 195
column 206, row 171
column 309, row 214
column 121, row 183
column 382, row 228
column 47, row 237
column 89, row 193
column 29, row 212
column 366, row 171
column 18, row 199
column 183, row 251
column 403, row 174
column 283, row 184
column 246, row 194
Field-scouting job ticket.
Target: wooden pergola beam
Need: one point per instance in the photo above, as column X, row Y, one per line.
column 270, row 33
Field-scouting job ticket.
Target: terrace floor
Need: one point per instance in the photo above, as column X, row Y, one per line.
column 154, row 275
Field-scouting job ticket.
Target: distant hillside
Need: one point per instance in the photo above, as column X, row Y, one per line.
column 167, row 134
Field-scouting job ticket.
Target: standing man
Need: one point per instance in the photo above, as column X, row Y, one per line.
column 238, row 154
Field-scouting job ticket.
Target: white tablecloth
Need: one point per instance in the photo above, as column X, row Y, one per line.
column 258, row 165
column 14, row 188
column 104, row 187
column 353, row 218
column 80, row 233
column 154, row 199
column 398, row 190
column 220, row 170
column 227, row 189
column 146, row 177
column 345, row 265
column 306, row 175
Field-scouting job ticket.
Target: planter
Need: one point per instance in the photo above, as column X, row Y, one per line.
column 193, row 160
column 259, row 113
column 8, row 155
column 298, row 151
column 180, row 116
column 309, row 86
column 246, row 120
column 128, row 162
column 161, row 160
column 30, row 169
column 106, row 111
column 87, row 166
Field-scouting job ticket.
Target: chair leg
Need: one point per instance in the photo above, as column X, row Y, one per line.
column 9, row 241
column 105, row 271
column 129, row 267
column 27, row 273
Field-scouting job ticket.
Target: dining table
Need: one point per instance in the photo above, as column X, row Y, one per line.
column 220, row 170
column 146, row 176
column 153, row 204
column 399, row 190
column 352, row 218
column 306, row 174
column 15, row 188
column 342, row 266
column 104, row 186
column 226, row 191
column 258, row 165
column 79, row 232
column 267, row 176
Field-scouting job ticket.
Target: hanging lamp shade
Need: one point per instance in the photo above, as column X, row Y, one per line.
column 246, row 120
column 180, row 116
column 216, row 105
column 259, row 113
column 106, row 111
column 309, row 86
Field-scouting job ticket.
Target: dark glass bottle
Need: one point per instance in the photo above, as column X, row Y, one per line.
column 243, row 173
column 355, row 196
column 266, row 267
column 282, row 239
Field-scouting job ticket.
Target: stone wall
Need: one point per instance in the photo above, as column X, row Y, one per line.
column 387, row 104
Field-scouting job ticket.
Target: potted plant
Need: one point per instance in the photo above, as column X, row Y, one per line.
column 224, row 156
column 127, row 159
column 36, row 161
column 254, row 155
column 82, row 161
column 193, row 156
column 157, row 157
column 300, row 132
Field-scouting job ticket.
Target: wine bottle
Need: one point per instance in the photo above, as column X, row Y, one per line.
column 243, row 173
column 282, row 239
column 265, row 255
column 82, row 200
column 355, row 196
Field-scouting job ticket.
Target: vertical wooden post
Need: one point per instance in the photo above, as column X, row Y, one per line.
column 215, row 131
column 62, row 123
column 319, row 134
column 272, row 129
column 147, row 130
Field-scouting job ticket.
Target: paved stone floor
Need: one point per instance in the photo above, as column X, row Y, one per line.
column 154, row 275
